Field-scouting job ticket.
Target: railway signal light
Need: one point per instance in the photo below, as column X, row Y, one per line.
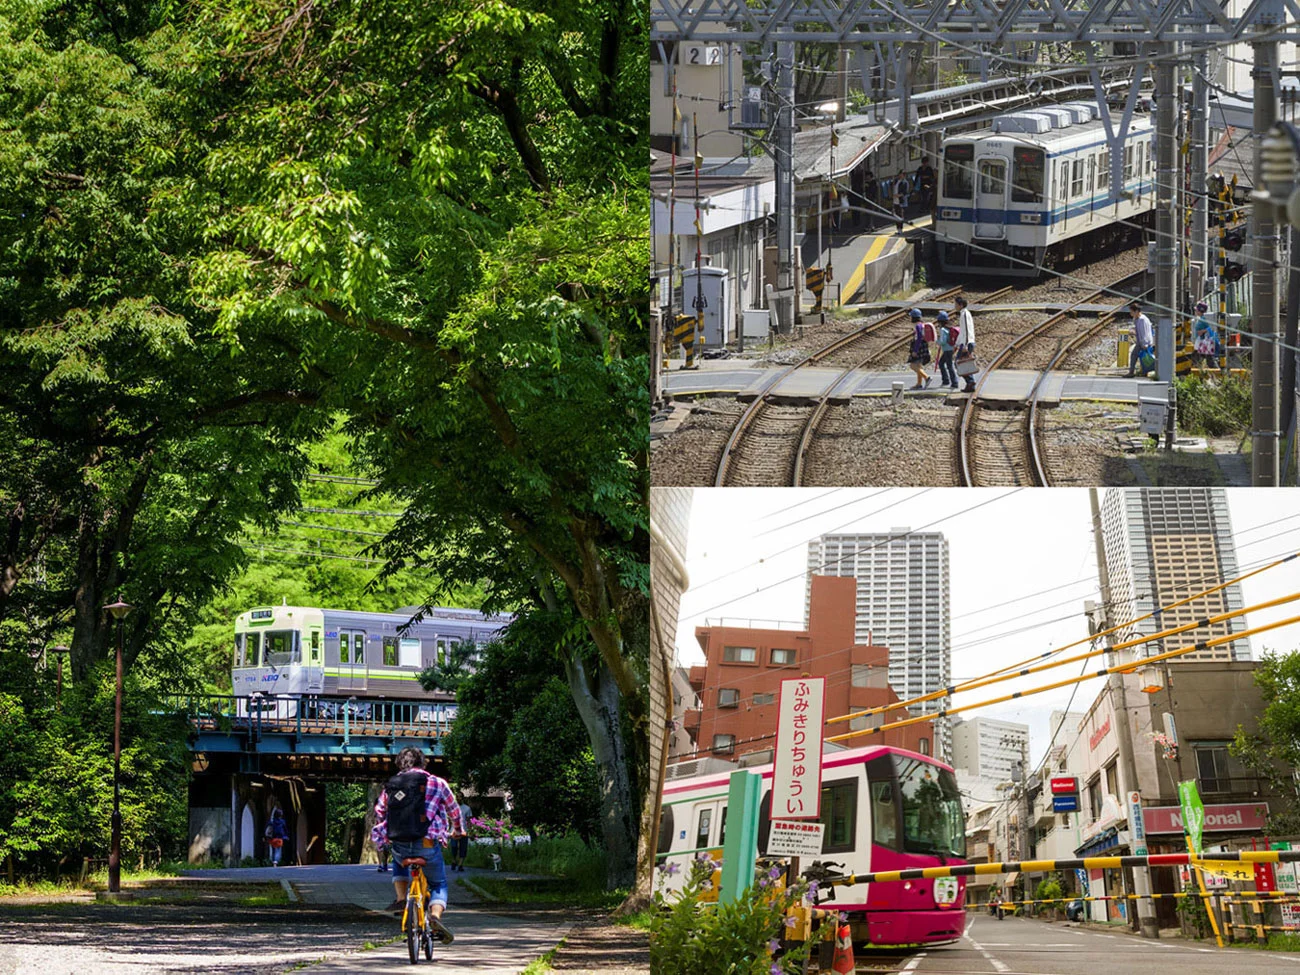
column 1232, row 271
column 1233, row 239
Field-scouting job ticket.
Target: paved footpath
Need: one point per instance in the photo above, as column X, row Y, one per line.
column 487, row 942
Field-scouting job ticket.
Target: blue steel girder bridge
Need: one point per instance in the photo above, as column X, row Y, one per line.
column 319, row 736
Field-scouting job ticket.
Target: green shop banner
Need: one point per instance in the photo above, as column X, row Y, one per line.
column 1193, row 811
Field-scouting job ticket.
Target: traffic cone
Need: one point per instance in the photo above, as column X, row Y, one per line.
column 842, row 964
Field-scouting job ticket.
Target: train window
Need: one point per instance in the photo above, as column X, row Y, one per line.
column 665, row 830
column 358, row 648
column 1128, row 162
column 1103, row 171
column 1141, row 167
column 1076, row 184
column 390, row 651
column 702, row 827
column 993, row 177
column 1063, row 182
column 722, row 827
column 315, row 646
column 839, row 815
column 1027, row 179
column 932, row 816
column 958, row 161
column 280, row 647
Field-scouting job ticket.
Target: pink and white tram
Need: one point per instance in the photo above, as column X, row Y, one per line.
column 884, row 808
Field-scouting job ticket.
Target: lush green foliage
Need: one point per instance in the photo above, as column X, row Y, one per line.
column 1273, row 751
column 574, row 872
column 1213, row 407
column 690, row 934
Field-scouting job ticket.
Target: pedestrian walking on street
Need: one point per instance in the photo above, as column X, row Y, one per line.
column 416, row 815
column 919, row 353
column 1143, row 342
column 947, row 336
column 460, row 842
column 383, row 859
column 965, row 340
column 898, row 194
column 277, row 831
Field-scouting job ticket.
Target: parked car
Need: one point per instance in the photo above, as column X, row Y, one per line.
column 1074, row 910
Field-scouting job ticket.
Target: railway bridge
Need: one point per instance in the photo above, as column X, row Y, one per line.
column 280, row 751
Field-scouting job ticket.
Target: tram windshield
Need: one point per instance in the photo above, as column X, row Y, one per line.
column 1027, row 179
column 958, row 166
column 281, row 647
column 247, row 647
column 932, row 816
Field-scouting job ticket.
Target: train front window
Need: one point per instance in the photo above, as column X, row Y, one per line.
column 932, row 817
column 1027, row 177
column 958, row 161
column 281, row 648
column 246, row 648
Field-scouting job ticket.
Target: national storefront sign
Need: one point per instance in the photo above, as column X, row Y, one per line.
column 797, row 773
column 1227, row 818
column 1098, row 735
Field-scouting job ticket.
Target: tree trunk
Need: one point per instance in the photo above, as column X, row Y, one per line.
column 597, row 698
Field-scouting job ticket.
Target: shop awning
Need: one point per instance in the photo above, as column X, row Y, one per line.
column 1107, row 839
column 1010, row 879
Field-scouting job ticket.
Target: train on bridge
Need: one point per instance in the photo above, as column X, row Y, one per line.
column 883, row 808
column 1035, row 190
column 287, row 656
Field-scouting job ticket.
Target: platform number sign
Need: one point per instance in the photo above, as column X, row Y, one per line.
column 702, row 55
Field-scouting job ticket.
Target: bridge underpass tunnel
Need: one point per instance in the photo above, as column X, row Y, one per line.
column 229, row 813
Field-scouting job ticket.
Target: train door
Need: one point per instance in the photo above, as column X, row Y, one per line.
column 991, row 198
column 353, row 666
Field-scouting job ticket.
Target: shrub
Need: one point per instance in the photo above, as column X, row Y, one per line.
column 690, row 935
column 1213, row 407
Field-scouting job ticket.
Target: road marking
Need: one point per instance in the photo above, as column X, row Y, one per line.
column 911, row 965
column 998, row 966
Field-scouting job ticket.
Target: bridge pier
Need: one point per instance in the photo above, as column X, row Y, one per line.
column 229, row 812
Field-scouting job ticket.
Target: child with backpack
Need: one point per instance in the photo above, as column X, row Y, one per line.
column 918, row 355
column 415, row 816
column 277, row 831
column 947, row 346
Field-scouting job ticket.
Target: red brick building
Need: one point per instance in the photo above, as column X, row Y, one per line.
column 739, row 684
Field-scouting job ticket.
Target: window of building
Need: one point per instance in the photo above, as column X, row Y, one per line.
column 1213, row 769
column 390, row 651
column 739, row 655
column 724, row 743
column 1112, row 779
column 750, row 759
column 1094, row 797
column 783, row 658
column 728, row 697
column 760, row 698
column 865, row 676
column 923, row 746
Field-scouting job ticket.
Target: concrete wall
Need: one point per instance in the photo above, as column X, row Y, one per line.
column 210, row 834
column 888, row 275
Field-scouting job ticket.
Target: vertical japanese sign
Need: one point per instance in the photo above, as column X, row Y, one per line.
column 1189, row 800
column 1136, row 825
column 797, row 774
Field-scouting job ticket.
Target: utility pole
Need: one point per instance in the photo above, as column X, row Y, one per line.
column 1200, row 136
column 1166, row 225
column 784, row 162
column 1123, row 728
column 1263, row 293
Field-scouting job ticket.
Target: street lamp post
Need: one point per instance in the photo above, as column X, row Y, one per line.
column 118, row 610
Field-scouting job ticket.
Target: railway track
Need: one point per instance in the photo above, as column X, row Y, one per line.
column 768, row 441
column 1000, row 447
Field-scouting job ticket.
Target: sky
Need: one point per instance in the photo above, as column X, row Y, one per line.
column 1021, row 564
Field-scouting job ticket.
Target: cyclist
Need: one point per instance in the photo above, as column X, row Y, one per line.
column 417, row 806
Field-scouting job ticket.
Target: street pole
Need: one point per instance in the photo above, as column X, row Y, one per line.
column 118, row 610
column 1200, row 135
column 784, row 163
column 1263, row 297
column 1166, row 234
column 1150, row 928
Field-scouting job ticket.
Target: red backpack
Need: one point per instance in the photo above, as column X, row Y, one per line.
column 928, row 332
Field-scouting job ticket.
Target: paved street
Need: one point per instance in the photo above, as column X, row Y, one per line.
column 1021, row 946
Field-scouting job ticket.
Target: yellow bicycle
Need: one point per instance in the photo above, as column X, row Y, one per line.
column 417, row 919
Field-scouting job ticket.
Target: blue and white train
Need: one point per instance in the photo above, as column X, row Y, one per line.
column 1035, row 191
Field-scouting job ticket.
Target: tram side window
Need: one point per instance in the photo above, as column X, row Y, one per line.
column 358, row 648
column 884, row 814
column 958, row 161
column 1027, row 178
column 1128, row 162
column 1076, row 188
column 390, row 651
column 281, row 647
column 839, row 815
column 315, row 646
column 246, row 647
column 1103, row 171
column 702, row 828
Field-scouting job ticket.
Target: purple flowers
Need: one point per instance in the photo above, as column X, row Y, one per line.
column 774, row 946
column 775, row 969
column 775, row 872
column 669, row 868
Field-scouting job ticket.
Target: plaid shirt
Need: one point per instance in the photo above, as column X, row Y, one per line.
column 440, row 809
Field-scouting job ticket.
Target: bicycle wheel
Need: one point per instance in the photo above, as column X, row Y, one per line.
column 412, row 930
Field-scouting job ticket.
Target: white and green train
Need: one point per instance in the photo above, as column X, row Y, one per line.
column 300, row 653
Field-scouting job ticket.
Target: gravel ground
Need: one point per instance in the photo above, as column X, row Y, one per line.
column 152, row 939
column 604, row 947
column 872, row 442
column 689, row 457
column 1081, row 444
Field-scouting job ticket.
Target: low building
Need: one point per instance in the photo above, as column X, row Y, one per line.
column 740, row 682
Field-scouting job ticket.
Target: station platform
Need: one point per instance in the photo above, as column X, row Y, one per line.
column 1004, row 385
column 851, row 254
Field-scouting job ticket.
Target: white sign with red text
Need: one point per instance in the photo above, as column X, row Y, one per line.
column 797, row 774
column 795, row 839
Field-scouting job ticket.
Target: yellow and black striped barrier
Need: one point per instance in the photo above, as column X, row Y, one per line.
column 1080, row 863
column 1239, row 895
column 814, row 278
column 686, row 334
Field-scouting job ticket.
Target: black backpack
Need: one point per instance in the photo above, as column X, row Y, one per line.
column 406, row 819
